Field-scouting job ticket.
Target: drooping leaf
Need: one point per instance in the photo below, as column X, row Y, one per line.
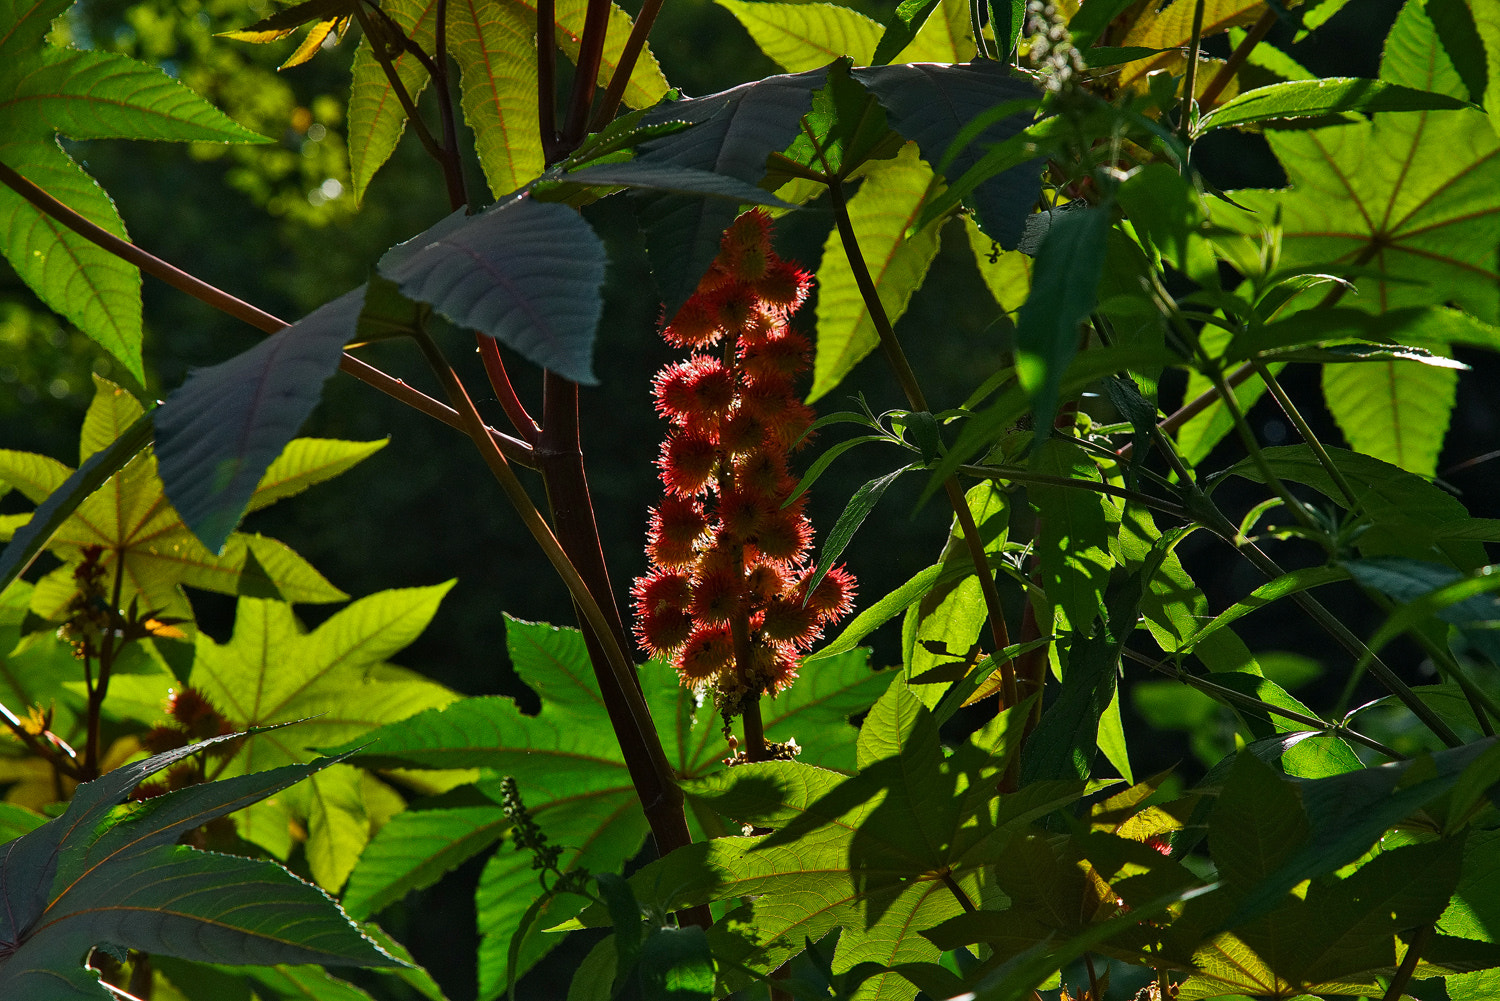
column 129, row 885
column 336, row 678
column 934, row 105
column 807, row 36
column 881, row 212
column 376, row 118
column 524, row 272
column 1171, row 28
column 219, row 431
column 907, row 20
column 732, row 131
column 130, row 519
column 495, row 48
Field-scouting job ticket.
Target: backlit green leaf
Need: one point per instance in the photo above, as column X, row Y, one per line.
column 808, row 35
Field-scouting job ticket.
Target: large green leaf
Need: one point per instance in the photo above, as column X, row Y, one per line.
column 524, row 272
column 85, row 283
column 1074, row 531
column 494, row 45
column 881, row 211
column 1064, row 287
column 72, row 884
column 898, row 847
column 219, row 431
column 732, row 133
column 938, row 107
column 376, row 117
column 137, row 529
column 571, row 774
column 1407, row 195
column 336, row 678
column 45, row 90
column 806, row 36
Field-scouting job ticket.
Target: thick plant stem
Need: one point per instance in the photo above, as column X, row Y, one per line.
column 586, row 76
column 559, row 455
column 634, row 45
column 891, row 348
column 1408, row 964
column 515, row 451
column 546, row 78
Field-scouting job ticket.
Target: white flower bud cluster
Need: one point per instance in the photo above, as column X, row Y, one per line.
column 1053, row 54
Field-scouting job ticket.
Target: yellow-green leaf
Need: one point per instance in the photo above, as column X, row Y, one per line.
column 495, row 48
column 886, row 204
column 805, row 36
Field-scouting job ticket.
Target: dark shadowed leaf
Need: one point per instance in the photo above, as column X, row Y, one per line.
column 526, row 273
column 932, row 104
column 1315, row 98
column 222, row 428
column 732, row 133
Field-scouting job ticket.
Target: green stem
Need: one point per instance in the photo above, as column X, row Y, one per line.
column 1223, row 694
column 890, row 346
column 515, row 451
column 1189, row 80
column 1303, row 428
column 1408, row 964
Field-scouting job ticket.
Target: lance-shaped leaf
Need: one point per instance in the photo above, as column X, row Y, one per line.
column 376, row 117
column 1314, row 98
column 336, row 678
column 570, row 773
column 935, row 106
column 130, row 519
column 73, row 884
column 524, row 272
column 732, row 133
column 495, row 48
column 219, row 431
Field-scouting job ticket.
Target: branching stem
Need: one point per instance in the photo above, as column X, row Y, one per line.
column 629, row 56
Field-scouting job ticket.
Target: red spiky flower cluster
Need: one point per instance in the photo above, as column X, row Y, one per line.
column 726, row 598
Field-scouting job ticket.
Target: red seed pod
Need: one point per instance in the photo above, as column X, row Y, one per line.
column 782, row 355
column 765, row 582
column 689, row 461
column 785, row 286
column 833, row 598
column 708, row 651
column 164, row 738
column 785, row 535
column 716, row 594
column 742, row 432
column 786, row 620
column 696, row 325
column 663, row 631
column 676, row 527
column 663, row 589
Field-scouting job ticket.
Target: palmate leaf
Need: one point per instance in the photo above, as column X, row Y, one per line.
column 524, row 272
column 862, row 853
column 138, row 530
column 886, row 204
column 801, row 37
column 570, row 773
column 48, row 90
column 1171, row 28
column 1408, row 198
column 336, row 678
column 72, row 884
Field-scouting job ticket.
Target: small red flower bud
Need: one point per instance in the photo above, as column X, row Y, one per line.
column 716, row 594
column 676, row 527
column 782, row 355
column 785, row 286
column 662, row 631
column 786, row 620
column 833, row 598
column 766, row 581
column 784, row 535
column 695, row 325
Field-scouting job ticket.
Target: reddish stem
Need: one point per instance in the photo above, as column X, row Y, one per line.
column 585, row 79
column 634, row 45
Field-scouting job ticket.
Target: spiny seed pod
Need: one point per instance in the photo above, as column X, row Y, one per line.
column 726, row 598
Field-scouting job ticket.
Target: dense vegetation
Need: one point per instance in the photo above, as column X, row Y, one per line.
column 1118, row 367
